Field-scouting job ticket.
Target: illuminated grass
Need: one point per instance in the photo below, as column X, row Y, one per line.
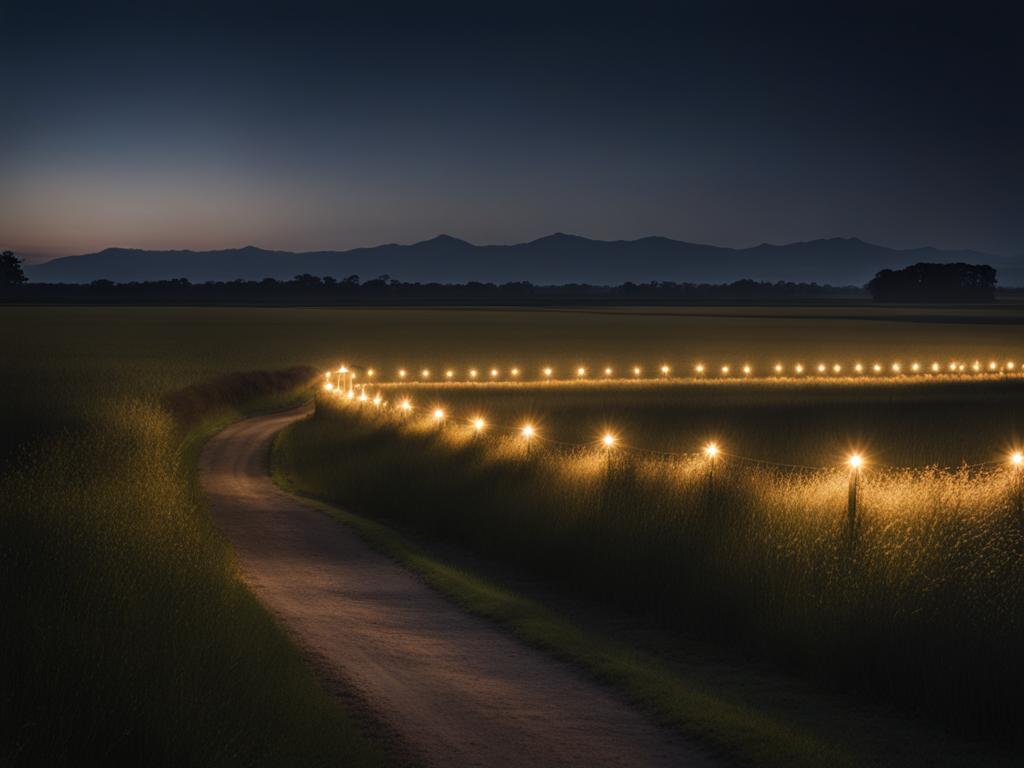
column 809, row 423
column 914, row 607
column 743, row 714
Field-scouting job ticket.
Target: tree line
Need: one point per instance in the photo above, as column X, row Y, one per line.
column 309, row 289
column 918, row 283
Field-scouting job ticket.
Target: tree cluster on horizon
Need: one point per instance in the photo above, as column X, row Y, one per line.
column 11, row 273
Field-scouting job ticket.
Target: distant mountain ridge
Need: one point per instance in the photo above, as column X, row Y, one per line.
column 555, row 259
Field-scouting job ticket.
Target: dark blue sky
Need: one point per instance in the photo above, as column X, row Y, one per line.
column 307, row 126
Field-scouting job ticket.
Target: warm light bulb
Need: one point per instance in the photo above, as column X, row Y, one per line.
column 425, row 373
column 858, row 368
column 528, row 431
column 915, row 367
column 607, row 371
column 514, row 371
column 494, row 373
column 976, row 366
column 711, row 450
column 363, row 397
column 608, row 440
column 343, row 369
column 699, row 368
column 479, row 424
column 438, row 414
column 548, row 372
column 837, row 368
column 935, row 367
column 746, row 370
column 401, row 373
column 799, row 368
column 895, row 367
column 1009, row 365
column 1017, row 458
column 665, row 370
column 725, row 370
column 405, row 405
column 377, row 400
column 993, row 365
column 876, row 368
column 636, row 370
column 370, row 372
column 855, row 461
column 449, row 374
column 581, row 371
column 821, row 368
column 328, row 386
column 778, row 367
column 350, row 394
column 472, row 373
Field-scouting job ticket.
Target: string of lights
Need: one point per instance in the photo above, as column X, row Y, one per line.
column 610, row 441
column 697, row 371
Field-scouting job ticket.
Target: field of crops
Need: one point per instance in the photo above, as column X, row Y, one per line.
column 137, row 612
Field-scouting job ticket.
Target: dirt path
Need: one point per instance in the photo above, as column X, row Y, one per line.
column 453, row 688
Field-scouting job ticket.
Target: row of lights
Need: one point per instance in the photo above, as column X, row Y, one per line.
column 608, row 440
column 700, row 369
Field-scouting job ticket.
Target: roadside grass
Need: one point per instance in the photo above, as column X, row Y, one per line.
column 128, row 634
column 916, row 608
column 740, row 712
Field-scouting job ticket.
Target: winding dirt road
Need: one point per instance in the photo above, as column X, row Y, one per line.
column 453, row 688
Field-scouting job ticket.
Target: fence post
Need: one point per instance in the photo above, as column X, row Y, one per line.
column 851, row 500
column 1018, row 486
column 711, row 453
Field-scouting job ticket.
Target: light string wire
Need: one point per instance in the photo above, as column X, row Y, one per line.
column 858, row 371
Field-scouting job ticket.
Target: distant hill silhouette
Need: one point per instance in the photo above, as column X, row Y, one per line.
column 555, row 259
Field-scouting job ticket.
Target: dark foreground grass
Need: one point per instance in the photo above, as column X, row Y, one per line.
column 918, row 608
column 128, row 635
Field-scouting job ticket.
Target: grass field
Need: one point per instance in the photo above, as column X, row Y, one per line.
column 916, row 604
column 128, row 631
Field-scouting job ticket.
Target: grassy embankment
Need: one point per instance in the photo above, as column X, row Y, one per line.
column 919, row 610
column 128, row 634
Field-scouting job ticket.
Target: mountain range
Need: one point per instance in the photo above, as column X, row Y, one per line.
column 555, row 259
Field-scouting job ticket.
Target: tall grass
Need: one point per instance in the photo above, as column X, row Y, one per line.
column 128, row 635
column 125, row 632
column 918, row 605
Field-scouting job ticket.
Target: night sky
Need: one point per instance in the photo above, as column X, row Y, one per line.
column 310, row 126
